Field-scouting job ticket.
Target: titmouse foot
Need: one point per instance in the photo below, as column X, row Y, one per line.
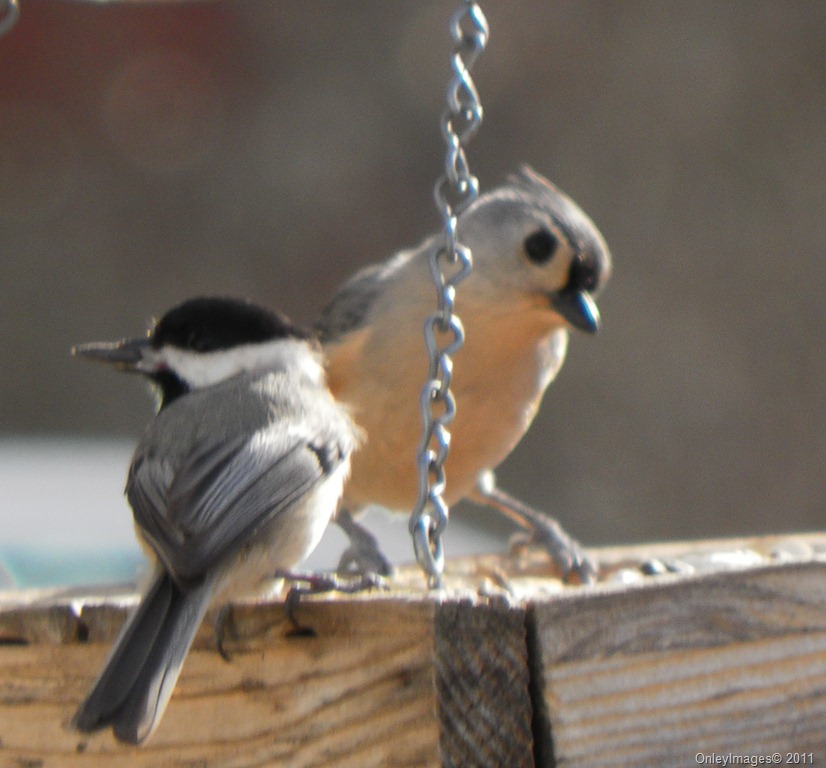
column 319, row 583
column 541, row 529
column 363, row 557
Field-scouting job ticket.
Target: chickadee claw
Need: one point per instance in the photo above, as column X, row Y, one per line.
column 223, row 618
column 320, row 583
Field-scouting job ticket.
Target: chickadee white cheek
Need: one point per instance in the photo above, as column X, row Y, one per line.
column 200, row 370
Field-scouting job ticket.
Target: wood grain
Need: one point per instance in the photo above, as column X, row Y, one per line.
column 655, row 674
column 504, row 667
column 357, row 694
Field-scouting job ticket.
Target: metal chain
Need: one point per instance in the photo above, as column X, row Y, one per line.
column 454, row 191
column 9, row 14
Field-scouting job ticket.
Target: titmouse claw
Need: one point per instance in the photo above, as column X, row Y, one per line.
column 574, row 565
column 363, row 557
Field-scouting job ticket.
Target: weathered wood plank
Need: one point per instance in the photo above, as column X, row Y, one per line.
column 360, row 693
column 504, row 667
column 482, row 685
column 655, row 673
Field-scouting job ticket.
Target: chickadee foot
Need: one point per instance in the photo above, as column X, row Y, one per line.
column 319, row 583
column 363, row 557
column 219, row 628
column 541, row 529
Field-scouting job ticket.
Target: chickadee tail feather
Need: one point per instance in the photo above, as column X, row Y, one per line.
column 139, row 676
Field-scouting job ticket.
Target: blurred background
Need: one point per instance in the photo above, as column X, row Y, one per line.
column 152, row 152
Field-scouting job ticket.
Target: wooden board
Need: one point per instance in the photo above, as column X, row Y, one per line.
column 504, row 667
column 357, row 694
column 719, row 664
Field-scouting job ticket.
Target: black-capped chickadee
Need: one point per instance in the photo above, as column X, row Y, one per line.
column 538, row 261
column 236, row 477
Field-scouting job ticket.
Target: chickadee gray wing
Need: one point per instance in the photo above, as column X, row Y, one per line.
column 222, row 496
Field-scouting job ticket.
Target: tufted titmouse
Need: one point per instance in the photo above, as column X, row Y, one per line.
column 538, row 261
column 236, row 477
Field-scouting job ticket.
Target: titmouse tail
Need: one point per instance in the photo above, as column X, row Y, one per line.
column 137, row 681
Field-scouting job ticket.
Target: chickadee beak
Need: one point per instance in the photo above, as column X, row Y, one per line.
column 578, row 308
column 127, row 355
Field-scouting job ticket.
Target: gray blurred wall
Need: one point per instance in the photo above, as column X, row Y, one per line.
column 266, row 149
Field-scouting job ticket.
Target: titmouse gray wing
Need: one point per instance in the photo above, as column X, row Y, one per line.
column 349, row 308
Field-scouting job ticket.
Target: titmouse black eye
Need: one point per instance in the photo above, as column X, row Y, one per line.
column 540, row 246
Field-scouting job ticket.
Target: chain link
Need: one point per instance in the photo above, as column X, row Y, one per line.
column 449, row 265
column 9, row 14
